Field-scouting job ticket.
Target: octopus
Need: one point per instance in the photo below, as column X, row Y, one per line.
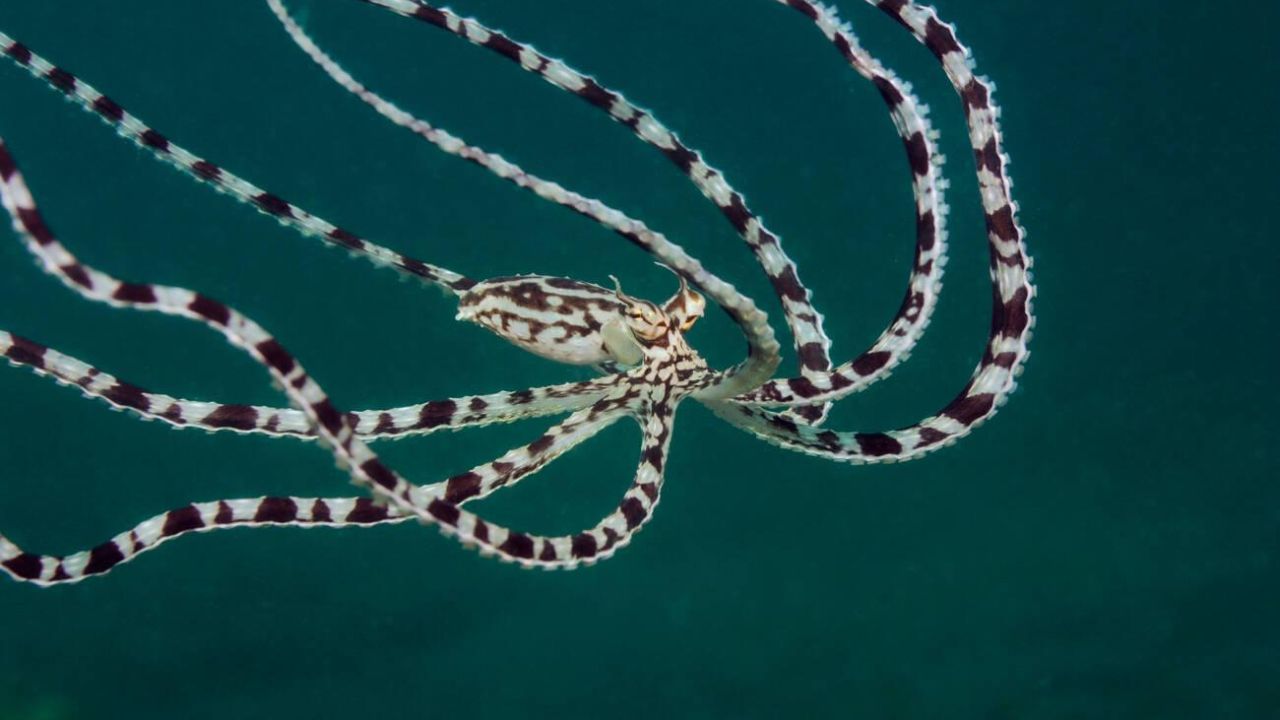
column 646, row 366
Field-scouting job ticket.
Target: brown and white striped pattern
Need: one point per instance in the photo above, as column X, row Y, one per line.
column 393, row 423
column 641, row 122
column 47, row 570
column 761, row 343
column 365, row 467
column 239, row 330
column 812, row 345
column 129, row 126
column 806, row 323
column 295, row 511
column 612, row 533
column 1012, row 319
column 669, row 371
column 762, row 357
column 556, row 318
column 894, row 345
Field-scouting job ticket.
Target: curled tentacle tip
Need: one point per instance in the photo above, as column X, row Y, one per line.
column 684, row 282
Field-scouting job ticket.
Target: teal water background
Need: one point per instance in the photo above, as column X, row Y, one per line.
column 1105, row 547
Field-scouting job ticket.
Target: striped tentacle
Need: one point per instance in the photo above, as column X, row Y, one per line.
column 527, row 459
column 239, row 331
column 132, row 128
column 478, row 483
column 812, row 344
column 632, row 229
column 641, row 499
column 46, row 570
column 970, row 409
column 477, row 410
column 1010, row 265
column 762, row 345
column 364, row 465
column 909, row 116
column 393, row 423
column 611, row 534
column 553, row 552
column 366, row 469
column 894, row 345
column 1012, row 318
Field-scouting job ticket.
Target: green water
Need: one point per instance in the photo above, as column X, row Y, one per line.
column 1105, row 547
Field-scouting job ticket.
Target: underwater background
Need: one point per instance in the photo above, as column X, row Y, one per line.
column 1107, row 546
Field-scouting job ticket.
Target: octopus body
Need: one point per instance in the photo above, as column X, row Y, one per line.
column 647, row 366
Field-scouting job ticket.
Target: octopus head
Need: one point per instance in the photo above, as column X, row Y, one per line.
column 685, row 307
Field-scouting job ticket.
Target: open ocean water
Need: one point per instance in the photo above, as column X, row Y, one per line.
column 1107, row 546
